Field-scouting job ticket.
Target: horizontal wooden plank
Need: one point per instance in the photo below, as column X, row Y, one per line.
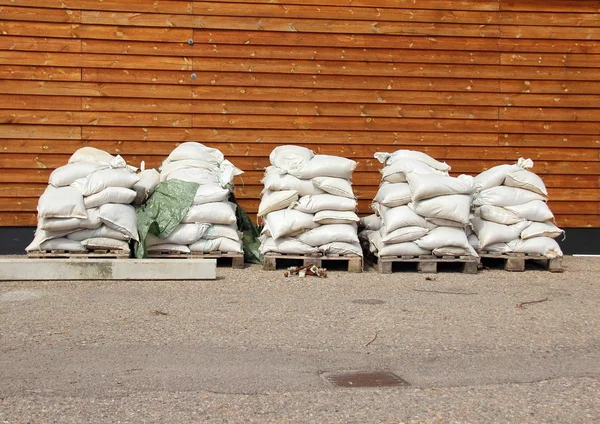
column 25, row 102
column 559, row 140
column 547, row 32
column 549, row 87
column 540, row 17
column 61, row 88
column 550, row 114
column 40, row 131
column 47, row 73
column 129, row 119
column 549, row 59
column 12, row 13
column 585, row 6
column 156, row 6
column 41, row 43
column 578, row 221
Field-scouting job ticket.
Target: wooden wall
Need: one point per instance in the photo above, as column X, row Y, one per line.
column 473, row 83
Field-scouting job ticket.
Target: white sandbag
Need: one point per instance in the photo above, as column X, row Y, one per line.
column 341, row 248
column 443, row 237
column 544, row 246
column 63, row 202
column 274, row 180
column 212, row 213
column 498, row 214
column 329, row 233
column 320, row 202
column 336, row 217
column 91, row 154
column 390, row 158
column 474, row 241
column 402, row 216
column 112, row 177
column 426, row 186
column 371, row 222
column 91, row 222
column 335, row 186
column 110, row 195
column 63, row 243
column 182, row 234
column 536, row 210
column 42, row 236
column 102, row 231
column 493, row 177
column 149, row 180
column 402, row 235
column 289, row 221
column 527, row 180
column 397, row 172
column 195, row 151
column 193, row 175
column 217, row 245
column 490, row 232
column 290, row 157
column 67, row 174
column 209, row 193
column 454, row 251
column 286, row 245
column 101, row 243
column 220, row 231
column 453, row 207
column 440, row 222
column 402, row 249
column 172, row 166
column 325, row 166
column 169, row 247
column 506, row 196
column 275, row 200
column 121, row 218
column 393, row 194
column 498, row 248
column 541, row 229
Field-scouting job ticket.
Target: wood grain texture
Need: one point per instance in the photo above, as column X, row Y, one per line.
column 475, row 84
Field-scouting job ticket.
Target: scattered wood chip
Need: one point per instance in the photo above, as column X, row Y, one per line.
column 522, row 304
column 157, row 312
column 372, row 340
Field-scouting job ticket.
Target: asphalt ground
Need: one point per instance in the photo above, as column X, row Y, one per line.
column 255, row 346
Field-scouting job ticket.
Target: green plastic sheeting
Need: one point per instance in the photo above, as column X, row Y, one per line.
column 163, row 211
column 250, row 237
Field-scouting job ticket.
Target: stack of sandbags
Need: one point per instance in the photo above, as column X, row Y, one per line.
column 511, row 214
column 87, row 205
column 210, row 224
column 422, row 209
column 308, row 205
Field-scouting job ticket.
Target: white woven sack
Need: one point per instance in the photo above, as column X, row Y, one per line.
column 426, row 186
column 527, row 180
column 498, row 214
column 182, row 234
column 275, row 200
column 454, row 251
column 63, row 202
column 220, row 231
column 121, row 218
column 286, row 245
column 210, row 193
column 102, row 243
column 341, row 248
column 110, row 195
column 63, row 243
column 390, row 158
column 541, row 229
column 149, row 179
column 336, row 217
column 289, row 221
column 536, row 210
column 289, row 157
column 443, row 237
column 493, row 177
column 474, row 241
column 102, row 231
column 193, row 175
column 490, row 232
column 276, row 180
column 440, row 222
column 321, row 202
column 67, row 174
column 212, row 213
column 402, row 216
column 499, row 248
column 453, row 207
column 91, row 154
column 397, row 172
column 169, row 247
column 98, row 181
column 402, row 249
column 196, row 151
column 506, row 196
column 402, row 235
column 544, row 246
column 217, row 245
column 371, row 222
column 335, row 186
column 172, row 166
column 325, row 166
column 92, row 222
column 329, row 233
column 42, row 236
column 393, row 194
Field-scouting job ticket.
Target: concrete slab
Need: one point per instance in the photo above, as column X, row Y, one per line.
column 106, row 269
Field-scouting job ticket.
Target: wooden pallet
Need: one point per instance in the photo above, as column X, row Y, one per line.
column 272, row 260
column 92, row 254
column 428, row 263
column 223, row 258
column 516, row 261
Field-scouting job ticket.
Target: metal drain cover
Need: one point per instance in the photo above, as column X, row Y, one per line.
column 365, row 379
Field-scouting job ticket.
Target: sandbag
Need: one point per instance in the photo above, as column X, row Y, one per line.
column 42, row 236
column 276, row 200
column 102, row 231
column 286, row 245
column 498, row 214
column 397, row 172
column 67, row 174
column 506, row 196
column 440, row 222
column 169, row 247
column 182, row 234
column 63, row 243
column 320, row 202
column 120, row 217
column 329, row 233
column 493, row 177
column 195, row 151
column 390, row 158
column 91, row 154
column 522, row 178
column 402, row 216
column 172, row 166
column 290, row 157
column 474, row 241
column 149, row 180
column 102, row 243
column 63, row 202
column 194, row 175
column 402, row 234
column 371, row 222
column 98, row 181
column 217, row 245
column 324, row 166
column 212, row 213
column 454, row 251
column 334, row 186
column 398, row 249
column 393, row 194
column 336, row 217
column 220, row 231
column 536, row 210
column 490, row 232
column 499, row 248
column 541, row 229
column 110, row 195
column 544, row 246
column 289, row 221
column 431, row 185
column 443, row 237
column 453, row 207
column 91, row 222
column 341, row 248
column 210, row 193
column 274, row 180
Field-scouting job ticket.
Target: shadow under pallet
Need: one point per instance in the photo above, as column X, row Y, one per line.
column 427, row 264
column 519, row 262
column 274, row 261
